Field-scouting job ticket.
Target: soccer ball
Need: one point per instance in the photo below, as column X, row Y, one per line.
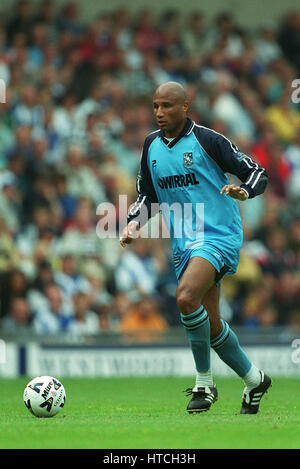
column 44, row 396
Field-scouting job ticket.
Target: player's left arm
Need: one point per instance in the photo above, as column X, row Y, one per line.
column 253, row 176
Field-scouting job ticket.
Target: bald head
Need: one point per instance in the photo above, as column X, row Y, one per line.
column 172, row 88
column 170, row 106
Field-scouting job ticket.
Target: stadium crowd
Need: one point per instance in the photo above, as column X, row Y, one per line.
column 78, row 107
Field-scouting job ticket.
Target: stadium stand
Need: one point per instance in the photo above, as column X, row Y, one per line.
column 78, row 107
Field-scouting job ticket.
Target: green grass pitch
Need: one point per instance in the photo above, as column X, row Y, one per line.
column 149, row 413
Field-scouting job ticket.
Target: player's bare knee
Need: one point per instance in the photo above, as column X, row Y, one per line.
column 187, row 301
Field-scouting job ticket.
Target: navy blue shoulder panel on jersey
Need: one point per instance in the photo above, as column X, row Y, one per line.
column 231, row 160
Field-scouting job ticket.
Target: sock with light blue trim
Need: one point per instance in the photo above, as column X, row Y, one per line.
column 197, row 327
column 227, row 346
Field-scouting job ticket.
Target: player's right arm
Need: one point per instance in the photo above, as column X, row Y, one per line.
column 129, row 233
column 142, row 209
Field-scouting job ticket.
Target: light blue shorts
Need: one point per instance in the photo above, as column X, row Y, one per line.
column 212, row 255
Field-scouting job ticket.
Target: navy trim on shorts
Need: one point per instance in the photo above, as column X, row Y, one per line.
column 220, row 275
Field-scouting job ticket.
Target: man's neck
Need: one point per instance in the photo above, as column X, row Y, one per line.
column 174, row 133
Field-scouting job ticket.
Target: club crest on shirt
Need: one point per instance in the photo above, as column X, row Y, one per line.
column 187, row 159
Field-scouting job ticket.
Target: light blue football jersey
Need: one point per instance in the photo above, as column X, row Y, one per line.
column 185, row 177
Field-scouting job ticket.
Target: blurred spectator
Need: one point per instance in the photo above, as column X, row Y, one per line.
column 44, row 277
column 294, row 320
column 248, row 276
column 280, row 257
column 63, row 118
column 56, row 314
column 227, row 108
column 268, row 317
column 67, row 201
column 270, row 154
column 10, row 207
column 284, row 117
column 27, row 239
column 28, row 111
column 18, row 322
column 21, row 21
column 266, row 46
column 226, row 34
column 286, row 295
column 143, row 322
column 97, row 278
column 123, row 304
column 195, row 34
column 68, row 278
column 257, row 302
column 46, row 13
column 13, row 285
column 79, row 237
column 9, row 255
column 81, row 179
column 69, row 19
column 22, row 145
column 85, row 321
column 293, row 157
column 289, row 37
column 138, row 269
column 294, row 238
column 7, row 137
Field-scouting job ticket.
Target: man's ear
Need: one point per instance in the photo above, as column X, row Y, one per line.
column 185, row 106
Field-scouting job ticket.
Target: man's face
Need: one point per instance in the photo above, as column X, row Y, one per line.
column 169, row 111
